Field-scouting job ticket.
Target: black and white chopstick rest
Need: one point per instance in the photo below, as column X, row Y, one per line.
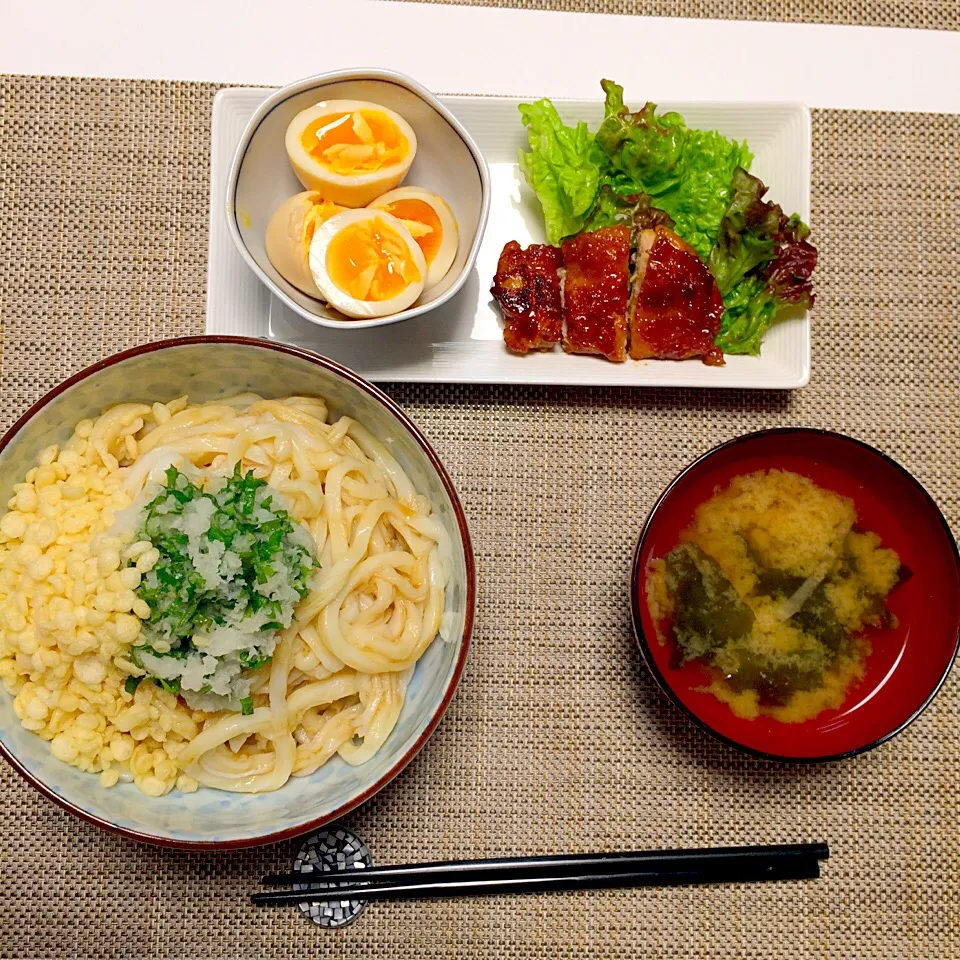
column 336, row 849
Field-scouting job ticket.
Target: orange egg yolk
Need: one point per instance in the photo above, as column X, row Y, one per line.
column 369, row 260
column 352, row 143
column 321, row 211
column 422, row 222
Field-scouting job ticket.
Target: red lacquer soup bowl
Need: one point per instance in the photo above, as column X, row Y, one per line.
column 908, row 663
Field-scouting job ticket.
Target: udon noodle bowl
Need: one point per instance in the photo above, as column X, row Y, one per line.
column 224, row 594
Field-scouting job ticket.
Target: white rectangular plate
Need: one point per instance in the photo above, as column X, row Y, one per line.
column 462, row 342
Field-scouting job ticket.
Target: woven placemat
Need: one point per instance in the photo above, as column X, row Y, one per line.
column 919, row 14
column 557, row 739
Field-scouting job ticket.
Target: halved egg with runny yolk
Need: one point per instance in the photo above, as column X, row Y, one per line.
column 430, row 222
column 351, row 151
column 290, row 233
column 366, row 264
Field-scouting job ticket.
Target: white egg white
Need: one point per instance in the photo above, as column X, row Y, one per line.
column 286, row 239
column 340, row 299
column 438, row 268
column 354, row 190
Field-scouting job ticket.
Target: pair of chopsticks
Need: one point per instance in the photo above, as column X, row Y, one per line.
column 470, row 878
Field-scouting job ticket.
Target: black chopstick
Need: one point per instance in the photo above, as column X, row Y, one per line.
column 509, row 867
column 796, row 869
column 551, row 874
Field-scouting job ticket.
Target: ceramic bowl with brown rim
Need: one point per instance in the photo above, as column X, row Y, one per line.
column 207, row 368
column 448, row 162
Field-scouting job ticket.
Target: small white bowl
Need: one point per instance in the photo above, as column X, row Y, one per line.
column 448, row 162
column 207, row 368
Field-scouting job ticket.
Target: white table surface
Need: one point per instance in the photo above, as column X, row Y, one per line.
column 455, row 49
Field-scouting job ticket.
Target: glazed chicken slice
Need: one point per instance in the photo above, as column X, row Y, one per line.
column 675, row 306
column 595, row 291
column 527, row 287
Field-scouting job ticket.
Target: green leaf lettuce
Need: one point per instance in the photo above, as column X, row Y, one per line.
column 756, row 298
column 687, row 172
column 747, row 231
column 632, row 210
column 563, row 168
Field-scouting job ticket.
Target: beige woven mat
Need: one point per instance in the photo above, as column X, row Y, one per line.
column 557, row 739
column 920, row 14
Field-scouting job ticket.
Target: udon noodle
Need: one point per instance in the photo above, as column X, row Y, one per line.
column 338, row 675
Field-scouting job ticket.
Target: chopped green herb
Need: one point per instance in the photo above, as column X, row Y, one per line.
column 131, row 684
column 252, row 660
column 171, row 686
column 233, row 566
column 246, row 706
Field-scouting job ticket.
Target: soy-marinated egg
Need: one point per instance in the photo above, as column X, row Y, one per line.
column 366, row 264
column 430, row 222
column 289, row 234
column 351, row 151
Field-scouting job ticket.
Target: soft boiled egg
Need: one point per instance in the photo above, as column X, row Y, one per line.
column 430, row 222
column 366, row 264
column 351, row 151
column 289, row 234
